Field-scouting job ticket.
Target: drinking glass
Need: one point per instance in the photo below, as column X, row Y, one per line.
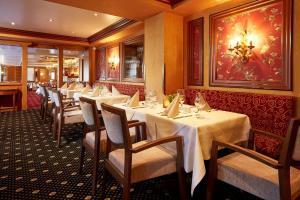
column 199, row 102
column 181, row 94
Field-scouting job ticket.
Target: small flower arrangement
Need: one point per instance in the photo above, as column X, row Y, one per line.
column 171, row 97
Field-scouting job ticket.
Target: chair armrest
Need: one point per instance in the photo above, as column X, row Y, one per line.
column 256, row 131
column 132, row 121
column 70, row 107
column 250, row 153
column 153, row 143
column 139, row 136
column 134, row 124
column 253, row 132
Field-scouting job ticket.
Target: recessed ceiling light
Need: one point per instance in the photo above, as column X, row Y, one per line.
column 95, row 14
column 51, row 20
column 13, row 23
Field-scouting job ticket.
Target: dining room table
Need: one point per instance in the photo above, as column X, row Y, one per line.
column 198, row 130
column 108, row 98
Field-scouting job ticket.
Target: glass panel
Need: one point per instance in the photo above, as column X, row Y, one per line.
column 72, row 64
column 10, row 63
column 42, row 67
column 133, row 68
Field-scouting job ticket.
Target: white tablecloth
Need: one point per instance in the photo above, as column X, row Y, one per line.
column 197, row 133
column 109, row 99
column 68, row 93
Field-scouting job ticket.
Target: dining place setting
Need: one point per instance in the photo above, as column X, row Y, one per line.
column 199, row 125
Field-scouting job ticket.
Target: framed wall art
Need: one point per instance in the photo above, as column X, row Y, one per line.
column 195, row 51
column 251, row 46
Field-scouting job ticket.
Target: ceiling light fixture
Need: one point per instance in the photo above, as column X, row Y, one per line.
column 51, row 20
column 13, row 23
column 95, row 14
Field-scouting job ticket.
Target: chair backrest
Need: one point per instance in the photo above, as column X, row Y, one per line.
column 116, row 125
column 57, row 98
column 291, row 149
column 42, row 90
column 89, row 111
column 50, row 92
column 296, row 153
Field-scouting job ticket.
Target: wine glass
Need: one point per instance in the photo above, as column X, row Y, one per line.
column 181, row 94
column 199, row 102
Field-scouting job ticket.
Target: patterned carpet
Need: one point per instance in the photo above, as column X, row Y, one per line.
column 32, row 167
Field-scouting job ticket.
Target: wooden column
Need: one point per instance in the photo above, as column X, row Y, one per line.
column 92, row 65
column 60, row 66
column 164, row 53
column 24, row 76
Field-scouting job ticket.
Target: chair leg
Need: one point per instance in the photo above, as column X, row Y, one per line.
column 212, row 178
column 51, row 124
column 126, row 191
column 182, row 184
column 95, row 173
column 105, row 178
column 82, row 153
column 45, row 114
column 59, row 130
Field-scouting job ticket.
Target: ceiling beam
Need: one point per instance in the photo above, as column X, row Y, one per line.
column 110, row 30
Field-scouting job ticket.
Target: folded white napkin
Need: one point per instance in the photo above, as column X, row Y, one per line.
column 104, row 91
column 88, row 86
column 173, row 109
column 79, row 87
column 96, row 92
column 85, row 90
column 72, row 86
column 114, row 91
column 135, row 100
column 65, row 86
column 203, row 100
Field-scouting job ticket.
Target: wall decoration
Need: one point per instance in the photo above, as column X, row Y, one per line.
column 251, row 46
column 100, row 63
column 113, row 63
column 195, row 52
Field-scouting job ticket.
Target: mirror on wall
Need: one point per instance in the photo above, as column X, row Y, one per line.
column 133, row 59
column 10, row 64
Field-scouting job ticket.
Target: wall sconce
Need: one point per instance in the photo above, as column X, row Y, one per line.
column 113, row 62
column 242, row 51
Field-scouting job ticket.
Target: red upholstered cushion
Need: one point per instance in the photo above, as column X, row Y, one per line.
column 128, row 89
column 270, row 113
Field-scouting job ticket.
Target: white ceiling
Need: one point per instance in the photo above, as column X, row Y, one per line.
column 34, row 15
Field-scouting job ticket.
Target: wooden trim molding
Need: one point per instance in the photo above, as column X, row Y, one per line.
column 110, row 30
column 195, row 51
column 172, row 3
column 41, row 35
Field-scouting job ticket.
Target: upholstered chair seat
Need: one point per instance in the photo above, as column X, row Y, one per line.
column 255, row 177
column 71, row 117
column 256, row 173
column 153, row 162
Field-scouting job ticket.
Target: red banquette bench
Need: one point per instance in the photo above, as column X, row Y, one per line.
column 270, row 113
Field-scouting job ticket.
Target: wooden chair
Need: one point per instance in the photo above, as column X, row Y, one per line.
column 64, row 115
column 43, row 102
column 92, row 139
column 68, row 103
column 140, row 161
column 256, row 173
